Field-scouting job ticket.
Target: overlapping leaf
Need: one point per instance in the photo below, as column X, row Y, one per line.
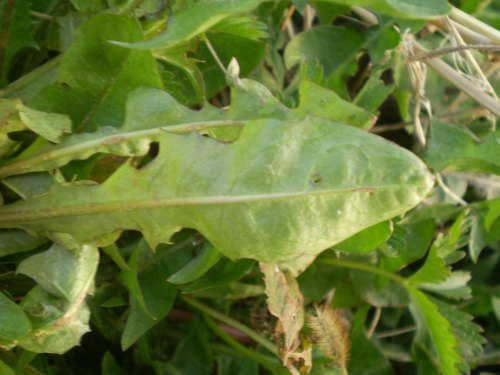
column 194, row 20
column 150, row 112
column 95, row 77
column 15, row 117
column 151, row 297
column 53, row 315
column 15, row 30
column 418, row 9
column 452, row 148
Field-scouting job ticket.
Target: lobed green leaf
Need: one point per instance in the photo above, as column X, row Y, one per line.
column 317, row 176
column 428, row 318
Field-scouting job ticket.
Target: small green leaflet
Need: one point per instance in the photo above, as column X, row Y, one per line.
column 470, row 341
column 429, row 319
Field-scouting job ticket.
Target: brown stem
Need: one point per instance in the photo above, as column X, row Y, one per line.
column 287, row 18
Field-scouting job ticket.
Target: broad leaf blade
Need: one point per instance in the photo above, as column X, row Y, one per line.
column 323, row 103
column 193, row 355
column 452, row 148
column 16, row 116
column 368, row 239
column 316, row 45
column 61, row 273
column 96, row 77
column 14, row 323
column 153, row 297
column 317, row 176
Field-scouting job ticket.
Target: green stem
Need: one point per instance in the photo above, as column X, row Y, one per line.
column 260, row 359
column 366, row 268
column 114, row 253
column 214, row 54
column 231, row 322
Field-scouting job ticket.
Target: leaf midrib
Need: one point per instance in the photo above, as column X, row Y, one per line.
column 108, row 86
column 112, row 207
column 26, row 164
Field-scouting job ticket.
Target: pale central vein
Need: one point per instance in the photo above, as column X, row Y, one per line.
column 124, row 206
column 30, row 162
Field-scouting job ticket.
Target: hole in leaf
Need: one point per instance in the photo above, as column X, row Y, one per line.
column 64, row 85
column 316, row 179
column 143, row 161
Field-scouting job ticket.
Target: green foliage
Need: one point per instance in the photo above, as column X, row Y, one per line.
column 259, row 156
column 151, row 298
column 432, row 324
column 452, row 148
column 193, row 20
column 193, row 354
column 405, row 9
column 96, row 95
column 16, row 34
column 363, row 347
